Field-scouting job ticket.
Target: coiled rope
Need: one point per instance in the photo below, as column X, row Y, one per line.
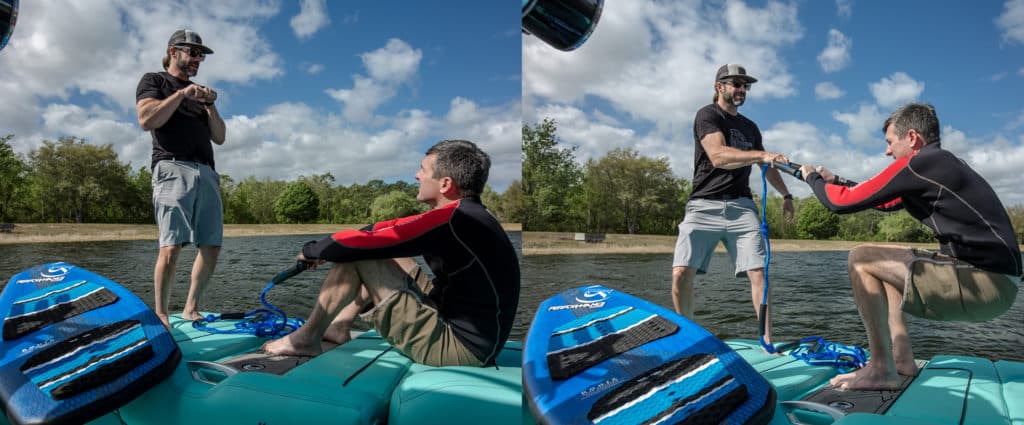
column 268, row 322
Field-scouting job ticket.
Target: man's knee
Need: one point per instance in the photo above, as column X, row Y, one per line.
column 682, row 276
column 383, row 277
column 169, row 254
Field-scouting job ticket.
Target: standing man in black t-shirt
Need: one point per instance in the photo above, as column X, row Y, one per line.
column 183, row 119
column 720, row 208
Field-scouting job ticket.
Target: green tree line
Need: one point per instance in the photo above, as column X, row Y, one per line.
column 72, row 181
column 625, row 192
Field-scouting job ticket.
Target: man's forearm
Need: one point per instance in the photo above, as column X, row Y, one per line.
column 775, row 179
column 155, row 114
column 732, row 158
column 218, row 131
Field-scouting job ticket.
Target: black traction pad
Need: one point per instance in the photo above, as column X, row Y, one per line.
column 712, row 394
column 260, row 361
column 858, row 401
column 567, row 363
column 89, row 359
column 53, row 305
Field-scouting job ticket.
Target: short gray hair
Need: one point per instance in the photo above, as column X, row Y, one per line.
column 464, row 162
column 920, row 117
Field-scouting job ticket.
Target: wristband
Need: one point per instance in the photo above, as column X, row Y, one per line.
column 788, row 196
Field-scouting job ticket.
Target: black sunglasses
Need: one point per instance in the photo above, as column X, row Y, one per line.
column 734, row 83
column 192, row 52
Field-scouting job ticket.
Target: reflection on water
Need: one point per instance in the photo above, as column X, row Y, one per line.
column 811, row 291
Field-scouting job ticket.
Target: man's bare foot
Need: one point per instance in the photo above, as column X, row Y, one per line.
column 868, row 378
column 337, row 336
column 286, row 346
column 163, row 319
column 191, row 315
column 907, row 368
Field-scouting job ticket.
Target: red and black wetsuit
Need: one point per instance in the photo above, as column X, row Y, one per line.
column 476, row 288
column 945, row 194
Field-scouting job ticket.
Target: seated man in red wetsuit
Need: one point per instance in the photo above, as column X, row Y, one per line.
column 973, row 277
column 460, row 317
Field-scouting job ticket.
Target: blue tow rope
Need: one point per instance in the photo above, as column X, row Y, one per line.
column 816, row 351
column 813, row 350
column 269, row 322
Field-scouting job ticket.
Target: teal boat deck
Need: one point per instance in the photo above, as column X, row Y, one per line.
column 361, row 382
column 950, row 390
column 364, row 382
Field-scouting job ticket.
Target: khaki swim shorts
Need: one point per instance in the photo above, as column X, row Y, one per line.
column 941, row 287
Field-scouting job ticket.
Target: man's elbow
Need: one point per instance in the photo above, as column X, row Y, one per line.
column 717, row 161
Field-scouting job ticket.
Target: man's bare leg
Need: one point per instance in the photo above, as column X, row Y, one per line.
column 202, row 269
column 872, row 268
column 902, row 354
column 340, row 288
column 756, row 277
column 340, row 330
column 163, row 280
column 682, row 290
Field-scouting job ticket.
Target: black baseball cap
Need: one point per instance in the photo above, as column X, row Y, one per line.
column 188, row 38
column 733, row 70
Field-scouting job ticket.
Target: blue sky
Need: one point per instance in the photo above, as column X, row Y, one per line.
column 830, row 73
column 357, row 89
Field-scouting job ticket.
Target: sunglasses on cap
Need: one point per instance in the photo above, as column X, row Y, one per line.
column 192, row 53
column 737, row 84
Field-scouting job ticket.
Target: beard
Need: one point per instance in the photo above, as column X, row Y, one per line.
column 184, row 65
column 733, row 99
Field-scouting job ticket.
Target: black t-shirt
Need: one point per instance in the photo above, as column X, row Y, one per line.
column 186, row 135
column 740, row 133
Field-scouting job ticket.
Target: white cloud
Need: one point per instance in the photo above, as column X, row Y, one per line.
column 837, row 54
column 363, row 99
column 864, row 125
column 804, row 143
column 844, row 8
column 312, row 17
column 389, row 66
column 395, row 62
column 62, row 49
column 955, row 140
column 655, row 61
column 314, row 68
column 1016, row 122
column 1020, row 72
column 497, row 130
column 997, row 159
column 1011, row 22
column 593, row 139
column 895, row 90
column 777, row 23
column 999, row 76
column 827, row 90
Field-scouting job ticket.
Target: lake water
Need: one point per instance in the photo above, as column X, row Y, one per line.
column 811, row 292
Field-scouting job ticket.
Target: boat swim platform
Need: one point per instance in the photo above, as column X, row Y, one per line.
column 948, row 390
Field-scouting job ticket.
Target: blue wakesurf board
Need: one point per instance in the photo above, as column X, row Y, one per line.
column 598, row 355
column 75, row 345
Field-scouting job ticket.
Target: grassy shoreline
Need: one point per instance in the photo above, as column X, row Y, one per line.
column 534, row 243
column 562, row 243
column 73, row 232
